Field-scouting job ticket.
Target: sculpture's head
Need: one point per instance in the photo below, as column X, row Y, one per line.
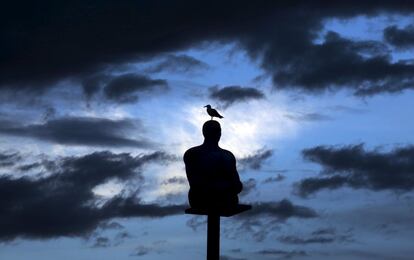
column 212, row 131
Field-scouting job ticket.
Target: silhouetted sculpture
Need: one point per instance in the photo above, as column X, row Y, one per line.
column 212, row 112
column 214, row 183
column 211, row 172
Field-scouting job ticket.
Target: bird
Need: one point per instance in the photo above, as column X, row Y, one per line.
column 212, row 112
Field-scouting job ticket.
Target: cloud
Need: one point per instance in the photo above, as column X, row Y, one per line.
column 324, row 231
column 110, row 225
column 62, row 202
column 175, row 180
column 347, row 109
column 354, row 166
column 141, row 251
column 92, row 84
column 123, row 88
column 303, row 241
column 110, row 34
column 400, row 38
column 256, row 160
column 156, row 246
column 349, row 68
column 312, row 185
column 232, row 94
column 226, row 257
column 309, row 117
column 320, row 236
column 248, row 187
column 101, row 242
column 196, row 222
column 178, row 64
column 28, row 167
column 92, row 131
column 278, row 178
column 263, row 219
column 281, row 210
column 36, row 52
column 8, row 159
column 282, row 253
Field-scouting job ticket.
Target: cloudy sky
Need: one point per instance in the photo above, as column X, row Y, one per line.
column 100, row 99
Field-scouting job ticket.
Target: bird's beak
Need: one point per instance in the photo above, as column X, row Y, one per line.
column 205, row 106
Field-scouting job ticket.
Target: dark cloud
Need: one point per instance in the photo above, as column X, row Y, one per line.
column 320, row 236
column 80, row 131
column 28, row 167
column 226, row 257
column 82, row 38
column 400, row 38
column 8, row 159
column 263, row 220
column 248, row 187
column 48, row 41
column 302, row 241
column 110, row 225
column 257, row 228
column 281, row 210
column 282, row 253
column 232, row 94
column 346, row 109
column 178, row 64
column 341, row 63
column 311, row 117
column 312, row 185
column 175, row 180
column 100, row 242
column 141, row 251
column 324, row 231
column 121, row 236
column 278, row 178
column 196, row 222
column 354, row 166
column 156, row 246
column 123, row 88
column 92, row 84
column 49, row 113
column 62, row 203
column 256, row 160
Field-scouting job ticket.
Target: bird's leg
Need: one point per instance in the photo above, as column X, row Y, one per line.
column 211, row 118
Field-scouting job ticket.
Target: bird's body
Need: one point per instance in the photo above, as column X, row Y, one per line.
column 212, row 112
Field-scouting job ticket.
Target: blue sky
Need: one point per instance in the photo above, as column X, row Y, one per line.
column 97, row 110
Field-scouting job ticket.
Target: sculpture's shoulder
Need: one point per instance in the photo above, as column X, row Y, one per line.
column 229, row 155
column 191, row 152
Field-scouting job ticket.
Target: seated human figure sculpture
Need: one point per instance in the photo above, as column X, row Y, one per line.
column 211, row 172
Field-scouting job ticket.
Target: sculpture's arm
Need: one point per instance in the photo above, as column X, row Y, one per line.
column 188, row 168
column 191, row 171
column 235, row 179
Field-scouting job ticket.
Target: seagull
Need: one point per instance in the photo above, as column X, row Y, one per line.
column 212, row 112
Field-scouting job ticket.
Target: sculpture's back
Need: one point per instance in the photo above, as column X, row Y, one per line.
column 211, row 172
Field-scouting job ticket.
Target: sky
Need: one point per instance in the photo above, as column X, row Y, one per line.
column 99, row 100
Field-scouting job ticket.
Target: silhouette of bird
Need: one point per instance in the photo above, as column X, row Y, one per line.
column 212, row 112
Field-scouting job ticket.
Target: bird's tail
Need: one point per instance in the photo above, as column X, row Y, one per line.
column 220, row 116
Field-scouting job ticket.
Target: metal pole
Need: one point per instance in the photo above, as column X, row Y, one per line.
column 213, row 237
